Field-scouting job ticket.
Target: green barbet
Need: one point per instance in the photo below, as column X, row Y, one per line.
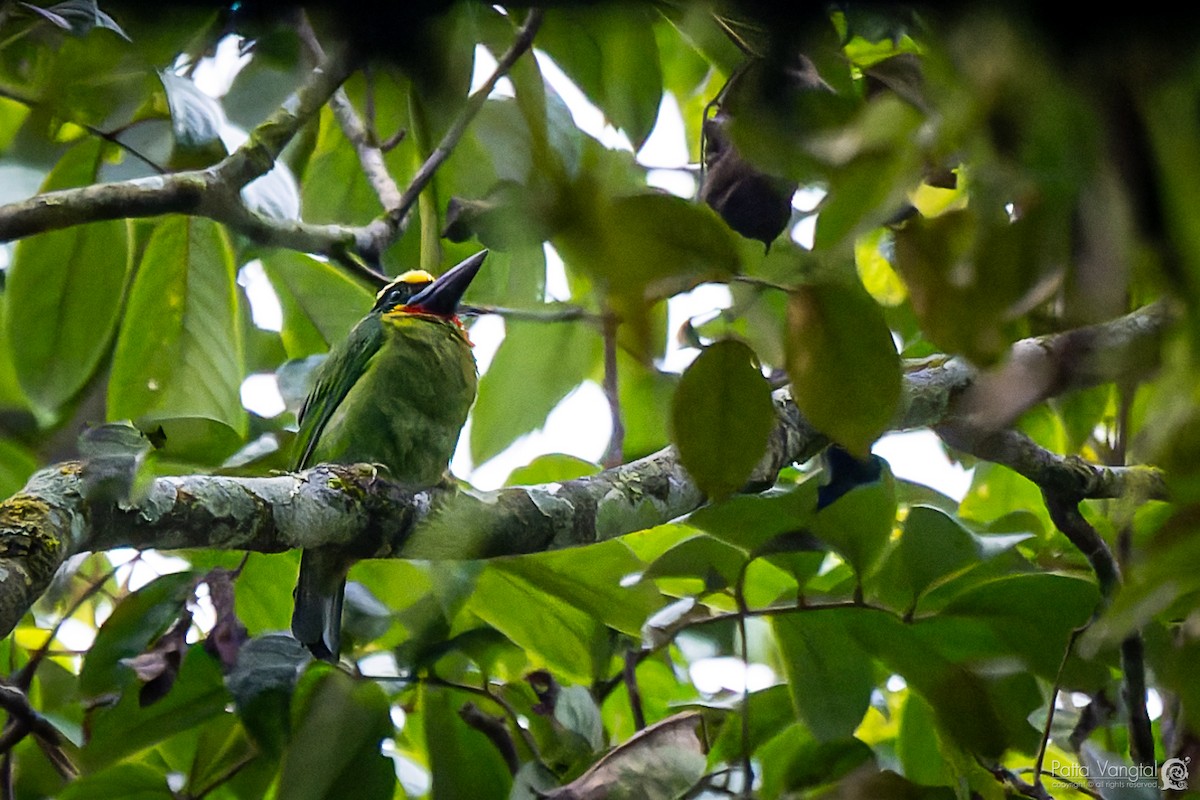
column 395, row 392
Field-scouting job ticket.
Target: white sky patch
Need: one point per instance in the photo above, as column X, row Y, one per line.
column 804, row 232
column 264, row 303
column 676, row 181
column 588, row 118
column 204, row 614
column 152, row 564
column 260, row 394
column 807, row 198
column 76, row 635
column 485, row 65
column 711, row 675
column 896, row 683
column 557, row 287
column 666, row 147
column 918, row 456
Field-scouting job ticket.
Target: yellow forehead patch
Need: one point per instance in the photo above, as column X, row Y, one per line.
column 416, row 276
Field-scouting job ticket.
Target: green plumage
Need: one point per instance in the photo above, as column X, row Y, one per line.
column 395, row 392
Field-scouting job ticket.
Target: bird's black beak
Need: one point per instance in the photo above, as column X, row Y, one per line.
column 441, row 297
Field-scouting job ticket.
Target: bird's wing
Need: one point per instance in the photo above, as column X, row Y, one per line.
column 344, row 365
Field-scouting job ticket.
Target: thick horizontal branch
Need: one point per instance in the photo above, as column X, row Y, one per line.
column 355, row 507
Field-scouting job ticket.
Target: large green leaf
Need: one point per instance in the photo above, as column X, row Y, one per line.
column 63, row 293
column 721, row 417
column 131, row 781
column 611, row 53
column 843, row 364
column 462, row 760
column 337, row 731
column 859, row 523
column 555, row 632
column 334, row 188
column 536, row 366
column 829, row 675
column 178, row 361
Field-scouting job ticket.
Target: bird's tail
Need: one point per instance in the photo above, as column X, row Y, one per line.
column 317, row 615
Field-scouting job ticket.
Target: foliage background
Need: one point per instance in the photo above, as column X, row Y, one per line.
column 917, row 644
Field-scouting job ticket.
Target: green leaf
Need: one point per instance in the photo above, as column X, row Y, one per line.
column 843, row 365
column 961, row 703
column 935, row 546
column 599, row 590
column 576, row 711
column 794, row 760
column 129, row 781
column 197, row 695
column 551, row 468
column 262, row 683
column 751, row 521
column 333, row 188
column 704, row 557
column 568, row 640
column 611, row 53
column 1032, row 615
column 320, row 302
column 536, row 366
column 452, row 745
column 721, row 417
column 771, row 711
column 63, row 293
column 339, row 725
column 16, row 466
column 178, row 361
column 917, row 744
column 829, row 676
column 136, row 622
column 859, row 523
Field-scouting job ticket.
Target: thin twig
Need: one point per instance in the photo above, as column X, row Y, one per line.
column 397, row 216
column 108, row 136
column 629, row 675
column 482, row 691
column 743, row 611
column 370, row 157
column 614, row 454
column 24, row 677
column 1062, row 665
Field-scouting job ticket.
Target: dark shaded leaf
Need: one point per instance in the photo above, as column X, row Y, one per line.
column 611, row 53
column 721, row 417
column 843, row 365
column 198, row 695
column 262, row 684
column 452, row 744
column 137, row 621
column 339, row 724
column 829, row 676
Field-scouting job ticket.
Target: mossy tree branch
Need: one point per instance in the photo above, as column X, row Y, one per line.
column 354, row 506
